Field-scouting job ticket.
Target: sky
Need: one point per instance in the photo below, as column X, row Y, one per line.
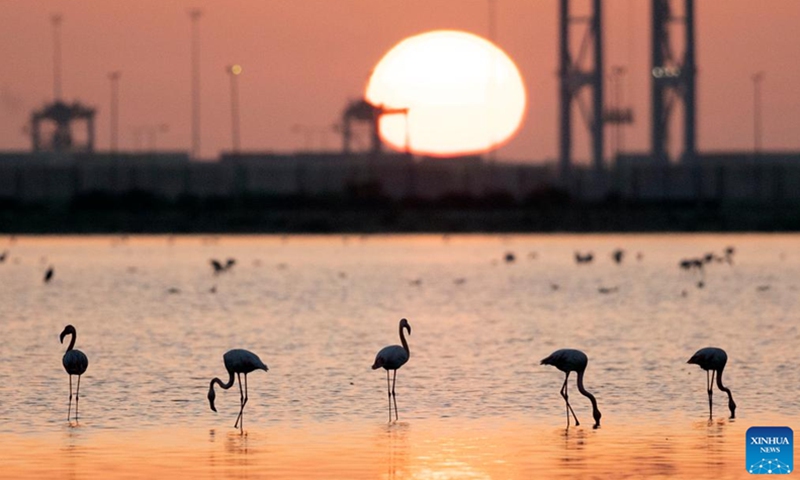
column 303, row 60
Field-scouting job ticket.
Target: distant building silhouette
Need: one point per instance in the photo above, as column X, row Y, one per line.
column 52, row 127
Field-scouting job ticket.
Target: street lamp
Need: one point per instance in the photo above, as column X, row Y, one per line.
column 758, row 77
column 195, row 15
column 56, row 21
column 234, row 71
column 114, row 110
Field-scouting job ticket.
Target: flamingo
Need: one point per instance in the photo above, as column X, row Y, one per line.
column 393, row 357
column 237, row 361
column 713, row 360
column 568, row 360
column 75, row 363
column 218, row 267
column 48, row 275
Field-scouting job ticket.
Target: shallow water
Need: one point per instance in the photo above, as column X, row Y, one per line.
column 474, row 401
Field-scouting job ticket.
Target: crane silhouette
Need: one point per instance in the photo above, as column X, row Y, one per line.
column 568, row 360
column 75, row 363
column 393, row 357
column 237, row 361
column 713, row 361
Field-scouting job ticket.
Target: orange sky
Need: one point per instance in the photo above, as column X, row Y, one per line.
column 304, row 59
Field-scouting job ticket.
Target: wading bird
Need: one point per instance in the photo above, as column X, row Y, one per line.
column 713, row 361
column 392, row 358
column 75, row 363
column 569, row 360
column 237, row 361
column 48, row 275
column 217, row 266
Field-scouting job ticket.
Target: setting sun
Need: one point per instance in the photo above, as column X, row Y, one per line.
column 463, row 94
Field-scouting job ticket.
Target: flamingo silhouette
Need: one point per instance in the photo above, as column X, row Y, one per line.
column 75, row 363
column 393, row 357
column 48, row 275
column 568, row 360
column 713, row 361
column 237, row 361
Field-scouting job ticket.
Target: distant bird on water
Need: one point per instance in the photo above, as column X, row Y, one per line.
column 75, row 363
column 48, row 275
column 219, row 267
column 3, row 256
column 713, row 361
column 237, row 361
column 392, row 358
column 569, row 360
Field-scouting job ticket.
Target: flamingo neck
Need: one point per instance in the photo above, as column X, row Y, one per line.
column 222, row 385
column 595, row 410
column 72, row 342
column 731, row 403
column 404, row 342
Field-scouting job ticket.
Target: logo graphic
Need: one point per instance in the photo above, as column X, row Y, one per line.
column 770, row 450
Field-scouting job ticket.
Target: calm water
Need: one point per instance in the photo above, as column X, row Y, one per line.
column 473, row 400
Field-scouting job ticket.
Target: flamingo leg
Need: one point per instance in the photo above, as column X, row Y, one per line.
column 394, row 380
column 241, row 401
column 565, row 395
column 710, row 393
column 69, row 409
column 245, row 400
column 77, row 396
column 389, row 393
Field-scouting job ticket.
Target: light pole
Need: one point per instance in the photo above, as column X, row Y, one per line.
column 758, row 77
column 56, row 21
column 114, row 110
column 195, row 15
column 492, row 20
column 233, row 72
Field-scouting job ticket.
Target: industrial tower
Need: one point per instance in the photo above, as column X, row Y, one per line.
column 673, row 80
column 575, row 77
